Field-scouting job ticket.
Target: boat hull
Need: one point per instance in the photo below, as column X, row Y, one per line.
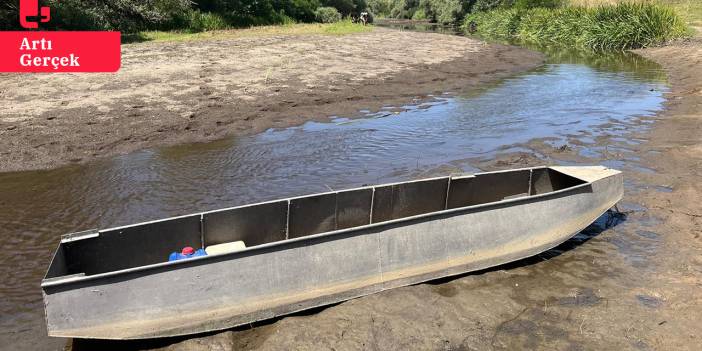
column 295, row 275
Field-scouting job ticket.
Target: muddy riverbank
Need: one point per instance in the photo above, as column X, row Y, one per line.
column 628, row 282
column 173, row 93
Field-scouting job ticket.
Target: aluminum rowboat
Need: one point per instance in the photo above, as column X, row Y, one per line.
column 314, row 250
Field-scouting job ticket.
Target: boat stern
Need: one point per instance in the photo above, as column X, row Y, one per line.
column 606, row 182
column 588, row 174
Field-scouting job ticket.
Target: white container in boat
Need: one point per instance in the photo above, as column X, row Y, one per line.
column 219, row 249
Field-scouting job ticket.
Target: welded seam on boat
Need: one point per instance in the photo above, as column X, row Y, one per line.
column 336, row 212
column 448, row 190
column 85, row 234
column 392, row 201
column 287, row 222
column 380, row 252
column 380, row 257
column 202, row 230
column 319, row 235
column 370, row 220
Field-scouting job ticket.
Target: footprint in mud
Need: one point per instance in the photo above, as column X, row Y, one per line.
column 206, row 91
column 581, row 297
column 663, row 188
column 526, row 331
column 445, row 290
column 647, row 234
column 649, row 301
column 628, row 207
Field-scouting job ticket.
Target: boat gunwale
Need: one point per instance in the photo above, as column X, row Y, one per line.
column 70, row 279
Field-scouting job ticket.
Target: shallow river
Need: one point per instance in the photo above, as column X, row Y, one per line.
column 571, row 98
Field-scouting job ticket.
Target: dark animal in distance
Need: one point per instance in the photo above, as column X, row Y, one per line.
column 362, row 18
column 472, row 27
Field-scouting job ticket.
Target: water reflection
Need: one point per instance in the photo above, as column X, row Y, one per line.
column 419, row 26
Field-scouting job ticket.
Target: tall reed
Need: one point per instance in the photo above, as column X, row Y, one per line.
column 609, row 27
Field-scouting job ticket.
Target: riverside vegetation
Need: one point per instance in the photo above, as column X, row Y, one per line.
column 585, row 24
column 610, row 27
column 337, row 28
column 133, row 16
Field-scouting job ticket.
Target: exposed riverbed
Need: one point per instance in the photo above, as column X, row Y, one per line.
column 574, row 109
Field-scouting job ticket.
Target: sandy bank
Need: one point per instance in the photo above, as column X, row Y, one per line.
column 170, row 93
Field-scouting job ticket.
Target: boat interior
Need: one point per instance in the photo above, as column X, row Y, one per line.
column 94, row 252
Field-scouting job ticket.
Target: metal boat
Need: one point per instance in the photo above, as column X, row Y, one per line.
column 309, row 251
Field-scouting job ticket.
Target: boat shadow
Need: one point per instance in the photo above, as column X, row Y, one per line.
column 164, row 343
column 608, row 220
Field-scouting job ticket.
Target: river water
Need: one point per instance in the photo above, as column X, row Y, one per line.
column 573, row 97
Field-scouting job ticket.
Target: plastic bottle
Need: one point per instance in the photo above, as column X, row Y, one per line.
column 187, row 252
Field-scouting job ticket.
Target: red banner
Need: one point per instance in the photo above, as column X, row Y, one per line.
column 43, row 51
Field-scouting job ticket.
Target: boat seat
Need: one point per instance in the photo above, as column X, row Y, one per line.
column 224, row 248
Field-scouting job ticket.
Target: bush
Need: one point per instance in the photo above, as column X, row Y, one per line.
column 327, row 15
column 380, row 8
column 242, row 13
column 404, row 8
column 132, row 16
column 559, row 27
column 419, row 15
column 345, row 26
column 346, row 7
column 531, row 4
column 206, row 21
column 297, row 10
column 361, row 5
column 487, row 5
column 443, row 11
column 497, row 23
column 631, row 25
column 9, row 14
column 123, row 15
column 614, row 27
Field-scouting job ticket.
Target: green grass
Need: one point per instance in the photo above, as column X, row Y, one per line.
column 607, row 27
column 338, row 28
column 345, row 27
column 690, row 10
